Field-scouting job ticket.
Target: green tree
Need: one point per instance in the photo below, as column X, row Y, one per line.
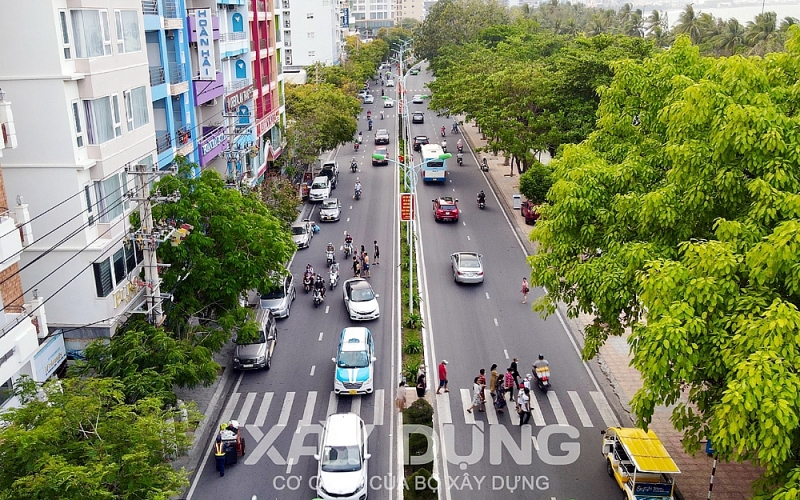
column 536, row 182
column 236, row 243
column 78, row 439
column 683, row 225
column 282, row 197
column 730, row 39
column 688, row 24
column 149, row 362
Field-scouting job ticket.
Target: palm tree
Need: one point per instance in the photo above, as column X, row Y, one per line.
column 731, row 37
column 634, row 27
column 687, row 24
column 653, row 20
column 762, row 33
column 787, row 22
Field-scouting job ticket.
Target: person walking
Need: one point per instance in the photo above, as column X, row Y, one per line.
column 500, row 399
column 422, row 384
column 524, row 406
column 356, row 267
column 508, row 383
column 400, row 398
column 482, row 382
column 477, row 388
column 442, row 377
column 376, row 255
column 525, row 290
column 366, row 265
column 493, row 376
column 515, row 373
column 219, row 456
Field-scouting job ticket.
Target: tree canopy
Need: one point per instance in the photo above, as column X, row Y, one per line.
column 679, row 217
column 78, row 439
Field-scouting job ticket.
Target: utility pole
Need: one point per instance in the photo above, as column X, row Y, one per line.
column 148, row 238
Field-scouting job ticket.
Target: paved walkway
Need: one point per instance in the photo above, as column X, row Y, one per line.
column 732, row 481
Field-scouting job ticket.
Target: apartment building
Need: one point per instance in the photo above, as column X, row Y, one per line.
column 80, row 75
column 313, row 32
column 368, row 16
column 409, row 9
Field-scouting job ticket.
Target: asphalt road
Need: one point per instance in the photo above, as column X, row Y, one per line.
column 283, row 409
column 486, row 455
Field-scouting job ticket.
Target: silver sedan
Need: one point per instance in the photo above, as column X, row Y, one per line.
column 331, row 210
column 467, row 267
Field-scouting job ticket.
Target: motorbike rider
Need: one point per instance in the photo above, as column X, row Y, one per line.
column 540, row 363
column 358, row 186
column 381, row 115
column 383, row 93
column 455, row 126
column 353, row 165
column 360, row 136
column 443, row 131
column 369, row 114
column 444, row 145
column 369, row 123
column 309, row 271
column 319, row 284
column 330, row 248
column 460, row 146
column 482, row 197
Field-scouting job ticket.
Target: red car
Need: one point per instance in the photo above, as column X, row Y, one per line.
column 528, row 210
column 445, row 208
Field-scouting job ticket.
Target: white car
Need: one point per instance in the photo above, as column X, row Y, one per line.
column 417, row 99
column 302, row 234
column 388, row 103
column 342, row 458
column 369, row 99
column 330, row 211
column 390, row 83
column 360, row 300
column 320, row 189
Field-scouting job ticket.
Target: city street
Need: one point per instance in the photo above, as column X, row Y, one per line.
column 283, row 409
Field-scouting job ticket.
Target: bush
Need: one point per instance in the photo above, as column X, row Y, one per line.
column 417, row 444
column 413, row 346
column 536, row 182
column 410, row 370
column 413, row 321
column 420, row 412
column 423, row 488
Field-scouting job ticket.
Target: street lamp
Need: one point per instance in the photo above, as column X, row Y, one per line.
column 410, row 177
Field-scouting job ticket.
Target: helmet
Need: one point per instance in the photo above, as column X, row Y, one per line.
column 357, row 179
column 482, row 191
column 541, row 356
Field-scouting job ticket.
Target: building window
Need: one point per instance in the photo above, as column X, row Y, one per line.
column 310, row 34
column 103, row 281
column 119, row 266
column 241, row 69
column 310, row 15
column 91, row 33
column 6, row 391
column 87, row 191
column 111, row 199
column 102, row 119
column 130, row 257
column 76, row 117
column 311, row 53
column 62, row 16
column 238, row 23
column 136, row 107
column 127, row 24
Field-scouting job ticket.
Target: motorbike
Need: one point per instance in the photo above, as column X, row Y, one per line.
column 357, row 196
column 485, row 165
column 481, row 203
column 330, row 257
column 460, row 159
column 355, row 145
column 369, row 125
column 443, row 132
column 317, row 297
column 543, row 378
column 307, row 282
column 444, row 146
column 381, row 115
column 454, row 129
column 348, row 250
column 460, row 147
column 354, row 166
column 333, row 276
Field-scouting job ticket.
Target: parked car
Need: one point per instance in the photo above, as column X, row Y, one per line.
column 388, row 103
column 355, row 362
column 331, row 210
column 418, row 117
column 363, row 93
column 342, row 458
column 360, row 300
column 382, row 151
column 320, row 188
column 278, row 299
column 382, row 136
column 467, row 267
column 419, row 141
column 528, row 210
column 256, row 353
column 445, row 208
column 330, row 169
column 302, row 234
column 369, row 99
column 417, row 99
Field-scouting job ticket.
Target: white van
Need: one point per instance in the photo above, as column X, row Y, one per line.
column 320, row 189
column 342, row 459
column 355, row 362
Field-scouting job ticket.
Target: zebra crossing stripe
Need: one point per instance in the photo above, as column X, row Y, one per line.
column 355, row 405
column 308, row 411
column 286, row 409
column 261, row 416
column 443, row 405
column 333, row 404
column 605, row 410
column 378, row 418
column 466, row 400
column 491, row 413
column 536, row 412
column 228, row 413
column 246, row 407
column 555, row 404
column 512, row 412
column 578, row 404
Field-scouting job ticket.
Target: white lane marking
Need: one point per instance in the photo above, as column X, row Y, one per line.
column 578, row 404
column 491, row 414
column 327, row 308
column 454, row 189
column 246, row 407
column 308, row 411
column 320, row 337
column 536, row 412
column 378, row 401
column 348, row 219
column 468, row 238
column 512, row 412
column 355, row 406
column 289, row 465
column 313, row 368
column 505, row 351
column 487, row 296
column 286, row 409
column 535, row 443
column 261, row 416
column 333, row 403
column 496, row 323
column 605, row 409
column 466, row 402
column 556, row 405
column 445, row 417
column 351, row 207
column 464, row 223
column 228, row 413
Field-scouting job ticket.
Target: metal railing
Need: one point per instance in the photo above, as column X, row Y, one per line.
column 156, row 75
column 183, row 135
column 237, row 84
column 232, row 36
column 177, row 73
column 163, row 141
column 150, row 7
column 262, row 44
column 171, row 9
column 261, row 6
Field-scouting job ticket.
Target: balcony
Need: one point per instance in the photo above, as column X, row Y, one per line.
column 163, row 141
column 150, row 7
column 233, row 36
column 10, row 241
column 178, row 80
column 156, row 75
column 261, row 6
column 183, row 136
column 237, row 85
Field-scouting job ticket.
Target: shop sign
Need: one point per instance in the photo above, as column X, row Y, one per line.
column 49, row 357
column 266, row 123
column 212, row 146
column 205, row 45
column 233, row 101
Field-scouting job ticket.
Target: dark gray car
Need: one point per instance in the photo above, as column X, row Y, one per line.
column 279, row 299
column 256, row 353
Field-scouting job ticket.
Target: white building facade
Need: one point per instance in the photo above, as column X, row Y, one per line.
column 81, row 92
column 368, row 16
column 312, row 32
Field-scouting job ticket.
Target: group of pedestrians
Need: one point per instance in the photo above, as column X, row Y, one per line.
column 361, row 261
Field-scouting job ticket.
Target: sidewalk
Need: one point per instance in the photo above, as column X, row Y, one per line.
column 732, row 481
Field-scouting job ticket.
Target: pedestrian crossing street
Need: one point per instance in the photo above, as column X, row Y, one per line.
column 261, row 409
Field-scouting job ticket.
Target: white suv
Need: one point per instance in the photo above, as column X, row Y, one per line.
column 342, row 457
column 320, row 189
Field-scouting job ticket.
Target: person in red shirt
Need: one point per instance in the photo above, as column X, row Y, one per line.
column 442, row 377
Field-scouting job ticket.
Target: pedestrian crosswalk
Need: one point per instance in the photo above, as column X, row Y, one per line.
column 254, row 409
